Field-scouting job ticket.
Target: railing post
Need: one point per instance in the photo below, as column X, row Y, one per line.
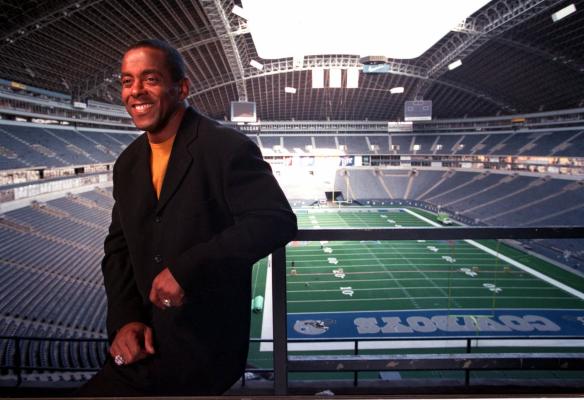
column 280, row 322
column 356, row 373
column 17, row 369
column 467, row 372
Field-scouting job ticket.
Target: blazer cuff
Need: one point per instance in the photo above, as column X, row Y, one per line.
column 122, row 316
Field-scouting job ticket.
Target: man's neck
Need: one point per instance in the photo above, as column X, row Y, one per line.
column 170, row 129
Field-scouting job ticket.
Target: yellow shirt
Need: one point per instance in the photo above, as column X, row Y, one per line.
column 160, row 154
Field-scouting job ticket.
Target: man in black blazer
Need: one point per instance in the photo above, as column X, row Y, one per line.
column 177, row 265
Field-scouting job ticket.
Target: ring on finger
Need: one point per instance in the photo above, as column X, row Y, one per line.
column 166, row 302
column 119, row 360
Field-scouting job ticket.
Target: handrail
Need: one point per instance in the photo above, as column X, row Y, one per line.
column 283, row 364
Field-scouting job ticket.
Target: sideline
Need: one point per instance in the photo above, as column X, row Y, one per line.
column 267, row 327
column 537, row 274
column 267, row 322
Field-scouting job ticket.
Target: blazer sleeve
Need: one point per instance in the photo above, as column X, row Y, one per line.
column 124, row 302
column 263, row 220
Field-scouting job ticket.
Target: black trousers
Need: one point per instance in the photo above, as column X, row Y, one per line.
column 144, row 378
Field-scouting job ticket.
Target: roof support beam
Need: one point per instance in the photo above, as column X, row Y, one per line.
column 558, row 58
column 283, row 66
column 98, row 82
column 219, row 21
column 495, row 19
column 501, row 103
column 69, row 8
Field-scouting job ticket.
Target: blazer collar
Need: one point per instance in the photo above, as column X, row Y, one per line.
column 180, row 157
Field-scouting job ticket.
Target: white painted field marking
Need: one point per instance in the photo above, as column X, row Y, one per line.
column 502, row 257
column 339, row 273
column 492, row 287
column 431, row 344
column 347, row 290
column 267, row 323
column 468, row 272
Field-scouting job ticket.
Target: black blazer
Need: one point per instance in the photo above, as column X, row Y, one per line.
column 220, row 210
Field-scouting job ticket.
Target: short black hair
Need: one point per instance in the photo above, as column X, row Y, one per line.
column 175, row 62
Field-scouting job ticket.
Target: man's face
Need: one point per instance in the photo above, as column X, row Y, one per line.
column 149, row 93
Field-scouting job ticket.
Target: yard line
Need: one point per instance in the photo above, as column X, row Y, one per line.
column 509, row 260
column 431, row 281
column 411, row 298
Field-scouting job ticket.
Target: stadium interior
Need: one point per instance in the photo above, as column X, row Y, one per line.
column 440, row 196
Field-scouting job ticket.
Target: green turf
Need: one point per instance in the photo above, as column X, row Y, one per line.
column 406, row 275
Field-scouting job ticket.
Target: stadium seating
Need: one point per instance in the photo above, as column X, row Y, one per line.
column 482, row 198
column 52, row 255
column 269, row 142
column 424, row 181
column 446, row 144
column 396, row 183
column 24, row 146
column 423, row 144
column 470, row 144
column 325, row 142
column 366, row 182
column 291, row 143
column 51, row 251
column 354, row 144
column 472, row 186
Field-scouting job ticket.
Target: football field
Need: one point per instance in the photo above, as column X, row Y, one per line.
column 399, row 290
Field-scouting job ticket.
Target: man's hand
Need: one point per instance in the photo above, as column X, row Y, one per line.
column 165, row 291
column 132, row 343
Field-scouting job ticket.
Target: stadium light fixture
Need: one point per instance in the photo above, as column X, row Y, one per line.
column 455, row 64
column 290, row 90
column 564, row 12
column 396, row 90
column 283, row 28
column 335, row 78
column 256, row 65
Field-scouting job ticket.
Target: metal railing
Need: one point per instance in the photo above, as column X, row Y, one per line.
column 283, row 363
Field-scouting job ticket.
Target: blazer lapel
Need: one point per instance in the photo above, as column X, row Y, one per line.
column 180, row 158
column 137, row 184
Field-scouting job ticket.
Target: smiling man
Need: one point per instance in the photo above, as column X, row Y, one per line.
column 195, row 207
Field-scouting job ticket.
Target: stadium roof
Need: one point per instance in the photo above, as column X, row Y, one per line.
column 515, row 59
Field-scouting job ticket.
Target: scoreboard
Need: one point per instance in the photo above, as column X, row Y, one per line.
column 418, row 110
column 243, row 111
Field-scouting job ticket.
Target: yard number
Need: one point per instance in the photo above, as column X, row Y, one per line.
column 347, row 291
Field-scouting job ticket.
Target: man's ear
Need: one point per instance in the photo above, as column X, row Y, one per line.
column 184, row 88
